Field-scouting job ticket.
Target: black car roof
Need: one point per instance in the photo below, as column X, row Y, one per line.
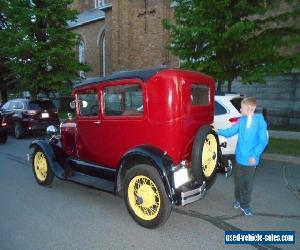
column 141, row 74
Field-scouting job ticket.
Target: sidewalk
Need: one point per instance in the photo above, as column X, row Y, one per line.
column 283, row 158
column 284, row 134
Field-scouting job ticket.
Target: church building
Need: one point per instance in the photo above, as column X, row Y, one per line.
column 117, row 35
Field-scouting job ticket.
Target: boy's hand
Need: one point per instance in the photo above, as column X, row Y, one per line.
column 252, row 161
column 213, row 128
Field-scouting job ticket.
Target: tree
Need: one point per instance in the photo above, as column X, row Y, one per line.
column 236, row 38
column 38, row 44
column 7, row 78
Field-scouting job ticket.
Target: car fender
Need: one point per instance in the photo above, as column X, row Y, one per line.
column 55, row 155
column 151, row 155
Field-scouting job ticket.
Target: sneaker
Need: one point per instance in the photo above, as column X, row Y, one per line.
column 247, row 211
column 236, row 204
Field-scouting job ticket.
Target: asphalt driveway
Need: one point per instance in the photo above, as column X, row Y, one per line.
column 70, row 216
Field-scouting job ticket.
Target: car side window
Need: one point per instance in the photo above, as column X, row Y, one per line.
column 88, row 103
column 19, row 105
column 123, row 100
column 219, row 109
column 13, row 105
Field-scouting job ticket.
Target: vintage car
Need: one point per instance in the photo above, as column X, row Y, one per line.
column 144, row 135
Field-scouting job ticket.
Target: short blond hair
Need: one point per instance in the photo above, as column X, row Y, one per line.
column 250, row 101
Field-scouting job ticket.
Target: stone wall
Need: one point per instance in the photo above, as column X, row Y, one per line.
column 280, row 96
column 80, row 5
column 138, row 38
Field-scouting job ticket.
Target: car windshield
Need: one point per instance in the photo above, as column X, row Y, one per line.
column 236, row 102
column 40, row 105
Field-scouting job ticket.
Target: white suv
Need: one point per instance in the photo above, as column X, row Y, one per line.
column 227, row 113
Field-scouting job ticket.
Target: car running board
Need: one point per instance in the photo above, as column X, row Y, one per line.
column 91, row 181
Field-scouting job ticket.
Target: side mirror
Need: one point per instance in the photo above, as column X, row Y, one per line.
column 70, row 116
column 72, row 105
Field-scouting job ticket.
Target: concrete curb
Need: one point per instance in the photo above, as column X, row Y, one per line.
column 282, row 158
column 292, row 135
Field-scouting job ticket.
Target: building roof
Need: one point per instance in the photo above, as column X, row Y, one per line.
column 87, row 16
column 144, row 75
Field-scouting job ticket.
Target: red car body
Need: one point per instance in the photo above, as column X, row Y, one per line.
column 145, row 133
column 169, row 121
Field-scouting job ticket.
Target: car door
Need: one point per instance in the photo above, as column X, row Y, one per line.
column 89, row 136
column 123, row 121
column 18, row 108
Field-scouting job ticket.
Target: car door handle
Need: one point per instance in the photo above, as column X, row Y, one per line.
column 97, row 122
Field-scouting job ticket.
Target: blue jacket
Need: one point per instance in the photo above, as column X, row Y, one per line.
column 251, row 141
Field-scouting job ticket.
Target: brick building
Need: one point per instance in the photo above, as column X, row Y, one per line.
column 122, row 34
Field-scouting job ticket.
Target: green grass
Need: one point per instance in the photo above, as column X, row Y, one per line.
column 285, row 128
column 284, row 147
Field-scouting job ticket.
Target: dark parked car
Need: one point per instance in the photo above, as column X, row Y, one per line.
column 24, row 115
column 3, row 128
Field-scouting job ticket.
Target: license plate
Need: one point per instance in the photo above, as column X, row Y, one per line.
column 45, row 115
column 180, row 177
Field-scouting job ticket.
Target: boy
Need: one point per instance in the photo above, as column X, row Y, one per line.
column 252, row 140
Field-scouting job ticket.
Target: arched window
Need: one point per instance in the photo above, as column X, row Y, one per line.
column 99, row 3
column 102, row 54
column 81, row 53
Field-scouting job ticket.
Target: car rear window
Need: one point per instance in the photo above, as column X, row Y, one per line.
column 199, row 95
column 39, row 105
column 236, row 102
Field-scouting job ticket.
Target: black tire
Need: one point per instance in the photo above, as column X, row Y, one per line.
column 3, row 138
column 142, row 178
column 41, row 169
column 204, row 172
column 18, row 130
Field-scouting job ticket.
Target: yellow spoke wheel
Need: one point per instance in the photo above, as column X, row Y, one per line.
column 40, row 166
column 209, row 155
column 144, row 197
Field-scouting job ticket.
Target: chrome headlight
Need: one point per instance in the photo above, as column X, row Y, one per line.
column 51, row 130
